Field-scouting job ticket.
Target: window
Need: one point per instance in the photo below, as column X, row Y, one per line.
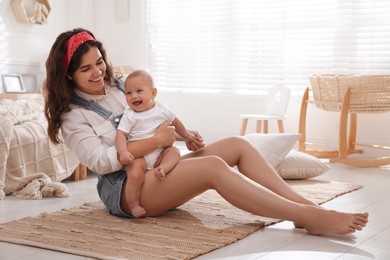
column 252, row 44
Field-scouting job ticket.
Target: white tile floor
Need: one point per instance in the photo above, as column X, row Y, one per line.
column 280, row 241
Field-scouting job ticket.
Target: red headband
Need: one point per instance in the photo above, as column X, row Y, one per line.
column 73, row 43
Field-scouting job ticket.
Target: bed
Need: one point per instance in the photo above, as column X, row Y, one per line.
column 31, row 167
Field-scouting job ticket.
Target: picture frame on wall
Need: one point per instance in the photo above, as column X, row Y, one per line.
column 13, row 83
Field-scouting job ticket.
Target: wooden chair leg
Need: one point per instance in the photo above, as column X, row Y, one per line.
column 280, row 126
column 243, row 126
column 258, row 126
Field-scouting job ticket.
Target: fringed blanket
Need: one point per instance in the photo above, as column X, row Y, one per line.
column 31, row 167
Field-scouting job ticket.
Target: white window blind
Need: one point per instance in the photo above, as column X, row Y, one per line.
column 255, row 44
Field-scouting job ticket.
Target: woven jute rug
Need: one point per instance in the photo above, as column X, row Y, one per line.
column 201, row 225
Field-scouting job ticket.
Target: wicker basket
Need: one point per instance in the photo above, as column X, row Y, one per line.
column 369, row 93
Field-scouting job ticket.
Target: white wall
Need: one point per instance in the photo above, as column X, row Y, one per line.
column 124, row 41
column 24, row 46
column 214, row 115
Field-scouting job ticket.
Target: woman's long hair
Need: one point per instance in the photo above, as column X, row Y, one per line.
column 58, row 88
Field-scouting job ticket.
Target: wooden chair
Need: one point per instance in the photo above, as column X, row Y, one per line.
column 348, row 95
column 277, row 102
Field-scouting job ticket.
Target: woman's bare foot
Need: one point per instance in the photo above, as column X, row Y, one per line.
column 137, row 211
column 333, row 222
column 298, row 224
column 159, row 172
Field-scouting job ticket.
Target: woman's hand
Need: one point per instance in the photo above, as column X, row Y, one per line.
column 197, row 143
column 165, row 135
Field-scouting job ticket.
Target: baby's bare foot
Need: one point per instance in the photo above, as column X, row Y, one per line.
column 137, row 211
column 159, row 172
column 333, row 222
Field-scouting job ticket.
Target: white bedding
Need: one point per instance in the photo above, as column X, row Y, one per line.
column 31, row 166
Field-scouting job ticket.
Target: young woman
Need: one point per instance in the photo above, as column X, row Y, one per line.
column 84, row 101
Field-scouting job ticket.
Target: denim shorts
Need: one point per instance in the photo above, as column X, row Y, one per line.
column 109, row 188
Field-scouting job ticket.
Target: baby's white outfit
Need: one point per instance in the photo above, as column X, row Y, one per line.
column 141, row 125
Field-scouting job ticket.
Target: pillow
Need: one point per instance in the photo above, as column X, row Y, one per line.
column 299, row 165
column 274, row 147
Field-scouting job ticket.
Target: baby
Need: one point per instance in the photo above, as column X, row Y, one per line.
column 140, row 120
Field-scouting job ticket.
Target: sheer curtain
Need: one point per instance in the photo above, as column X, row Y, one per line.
column 255, row 44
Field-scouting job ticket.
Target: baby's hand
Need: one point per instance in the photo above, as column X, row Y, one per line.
column 190, row 137
column 126, row 158
column 196, row 143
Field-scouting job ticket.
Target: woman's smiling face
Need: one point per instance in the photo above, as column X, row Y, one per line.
column 89, row 77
